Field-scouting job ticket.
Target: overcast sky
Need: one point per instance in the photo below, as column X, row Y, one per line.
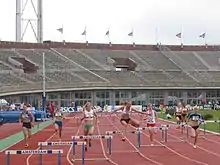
column 120, row 16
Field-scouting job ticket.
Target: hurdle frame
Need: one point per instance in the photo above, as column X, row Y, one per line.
column 119, row 132
column 107, row 137
column 40, row 152
column 183, row 126
column 205, row 131
column 71, row 143
column 139, row 145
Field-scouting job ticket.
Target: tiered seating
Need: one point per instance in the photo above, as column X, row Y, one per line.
column 78, row 58
column 64, row 73
column 3, row 67
column 33, row 56
column 154, row 76
column 103, row 55
column 8, row 79
column 211, row 58
column 214, row 76
column 5, row 53
column 157, row 60
column 121, row 78
column 192, row 60
column 62, row 77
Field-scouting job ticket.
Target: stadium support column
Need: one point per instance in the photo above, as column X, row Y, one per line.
column 44, row 85
column 40, row 22
column 18, row 20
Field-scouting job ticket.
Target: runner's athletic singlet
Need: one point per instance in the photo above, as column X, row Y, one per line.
column 151, row 117
column 125, row 111
column 196, row 118
column 184, row 110
column 58, row 116
column 25, row 117
column 89, row 115
column 178, row 111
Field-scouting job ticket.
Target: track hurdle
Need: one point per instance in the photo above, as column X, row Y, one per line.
column 206, row 132
column 105, row 115
column 162, row 129
column 168, row 126
column 74, row 117
column 82, row 137
column 122, row 132
column 66, row 143
column 35, row 152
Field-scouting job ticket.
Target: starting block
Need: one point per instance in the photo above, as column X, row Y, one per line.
column 35, row 152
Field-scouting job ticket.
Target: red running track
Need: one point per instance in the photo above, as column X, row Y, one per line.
column 123, row 152
column 9, row 129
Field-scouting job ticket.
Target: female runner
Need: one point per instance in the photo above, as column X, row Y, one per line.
column 195, row 119
column 184, row 114
column 178, row 115
column 151, row 121
column 27, row 121
column 58, row 122
column 126, row 118
column 89, row 115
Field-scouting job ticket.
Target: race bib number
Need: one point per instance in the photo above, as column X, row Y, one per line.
column 195, row 118
column 151, row 120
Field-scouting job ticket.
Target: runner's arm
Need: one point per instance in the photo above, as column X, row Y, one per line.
column 32, row 118
column 20, row 118
column 96, row 117
column 115, row 110
column 135, row 110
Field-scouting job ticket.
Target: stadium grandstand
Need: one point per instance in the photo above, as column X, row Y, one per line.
column 106, row 74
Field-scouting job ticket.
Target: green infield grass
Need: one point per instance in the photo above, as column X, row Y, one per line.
column 215, row 127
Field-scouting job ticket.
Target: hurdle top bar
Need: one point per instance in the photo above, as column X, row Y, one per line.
column 35, row 152
column 212, row 121
column 121, row 132
column 92, row 137
column 74, row 117
column 151, row 128
column 61, row 143
column 104, row 115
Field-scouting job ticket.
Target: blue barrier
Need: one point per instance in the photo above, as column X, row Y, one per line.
column 35, row 152
column 13, row 116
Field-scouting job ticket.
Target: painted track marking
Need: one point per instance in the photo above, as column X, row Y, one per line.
column 142, row 155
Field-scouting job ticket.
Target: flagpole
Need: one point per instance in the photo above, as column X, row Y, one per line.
column 85, row 34
column 132, row 37
column 62, row 35
column 44, row 85
column 181, row 36
column 205, row 38
column 109, row 40
column 157, row 36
